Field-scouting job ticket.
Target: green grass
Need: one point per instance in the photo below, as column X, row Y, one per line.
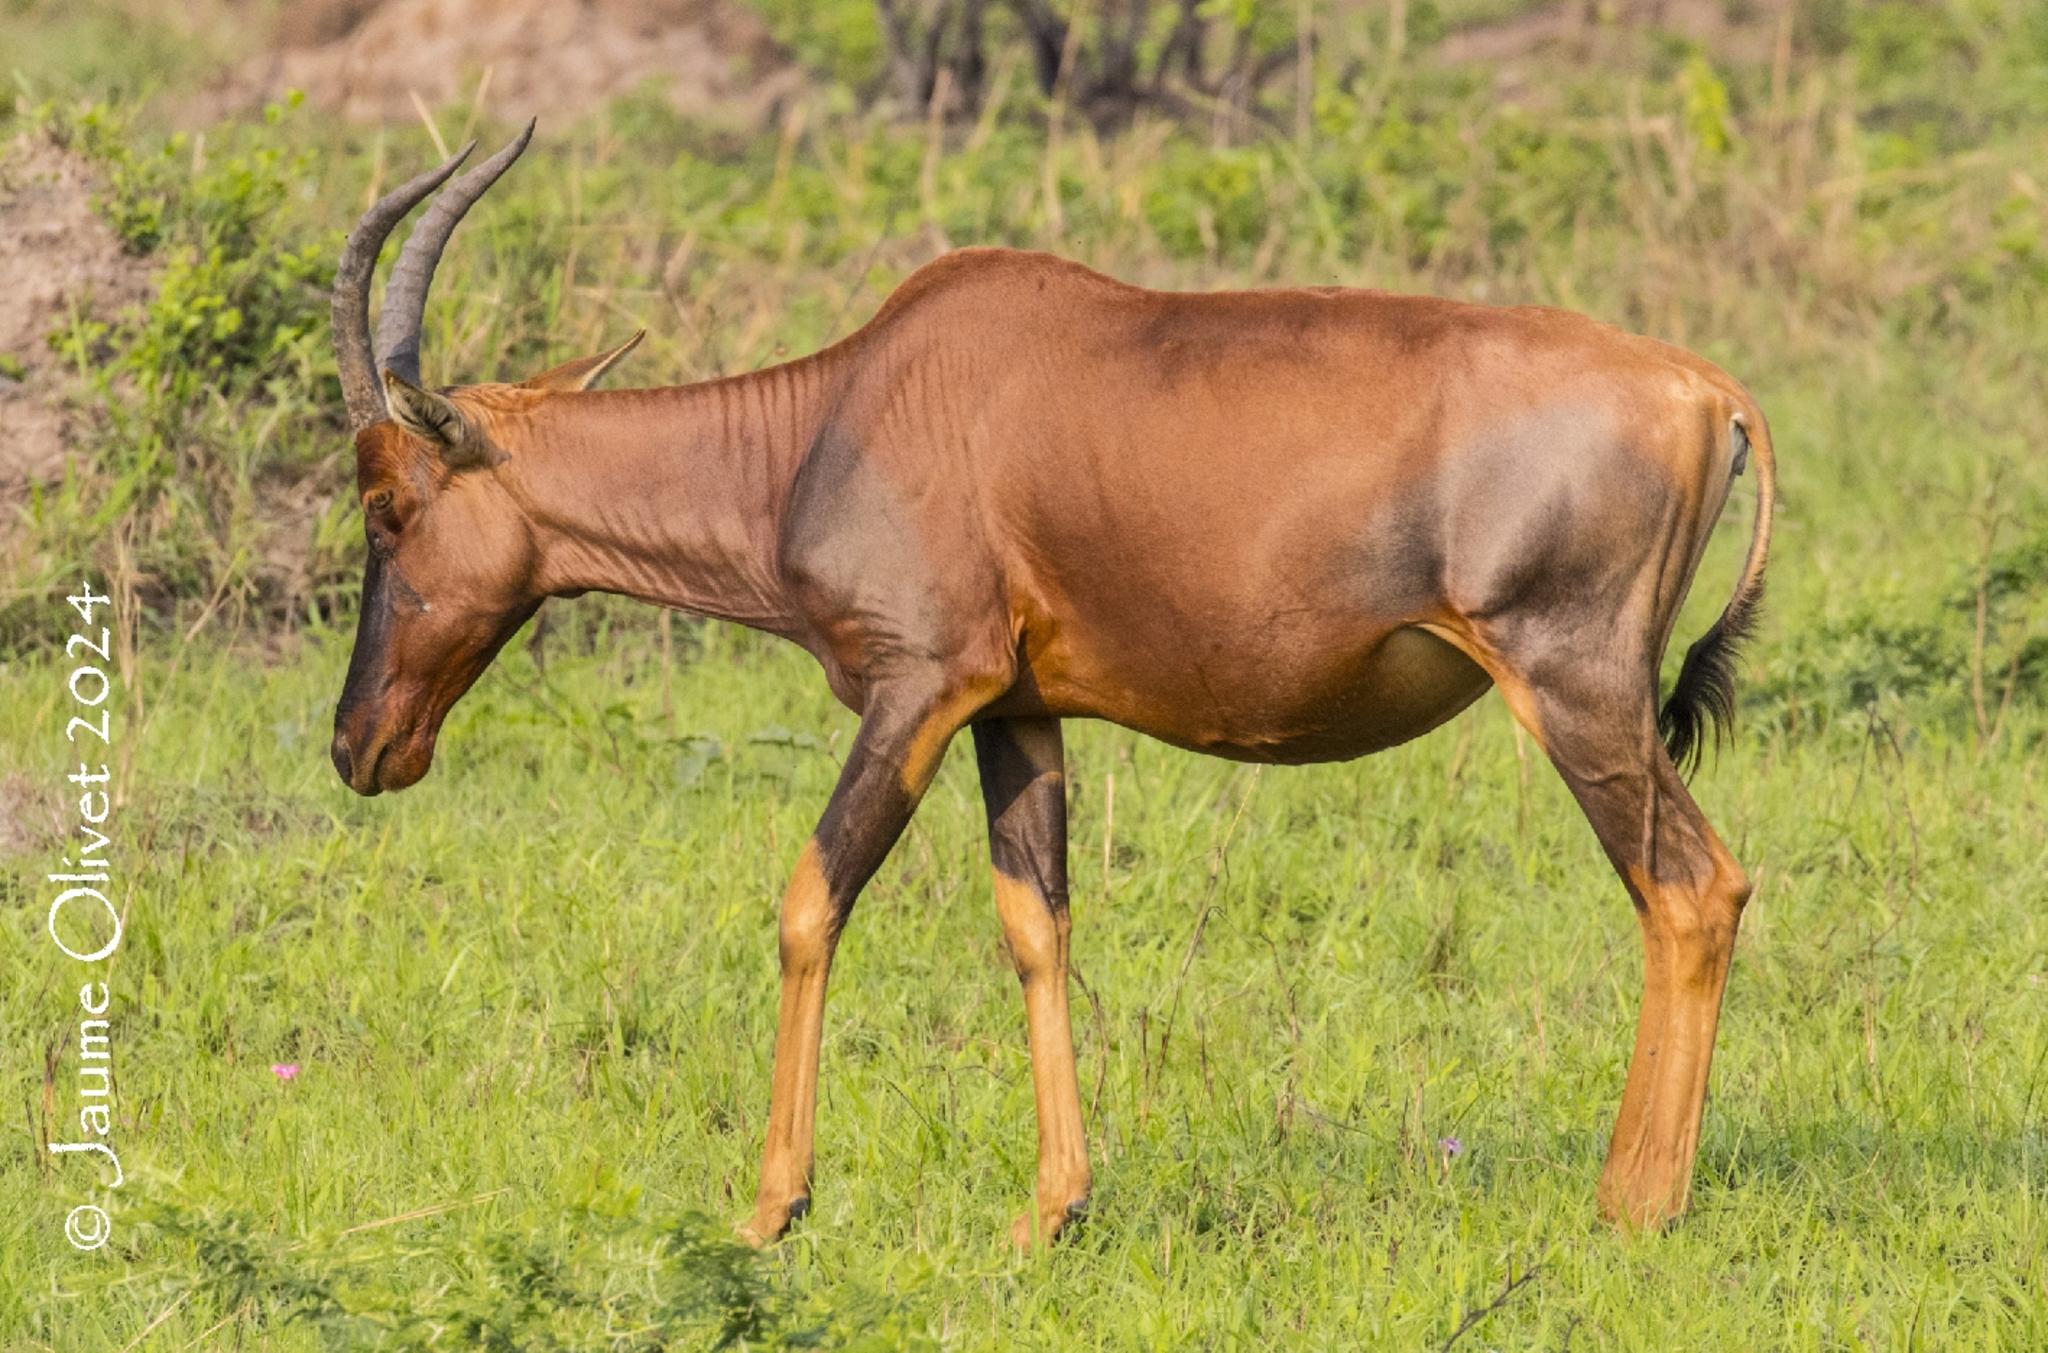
column 544, row 982
column 533, row 999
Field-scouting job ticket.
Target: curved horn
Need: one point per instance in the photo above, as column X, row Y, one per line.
column 405, row 295
column 351, row 302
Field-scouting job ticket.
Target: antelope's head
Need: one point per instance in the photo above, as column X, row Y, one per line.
column 451, row 572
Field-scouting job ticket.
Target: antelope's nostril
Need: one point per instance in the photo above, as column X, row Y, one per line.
column 359, row 767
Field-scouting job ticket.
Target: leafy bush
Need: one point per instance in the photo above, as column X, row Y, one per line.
column 1955, row 662
column 600, row 1273
column 232, row 340
column 237, row 294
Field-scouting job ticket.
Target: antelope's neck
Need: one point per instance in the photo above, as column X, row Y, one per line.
column 675, row 496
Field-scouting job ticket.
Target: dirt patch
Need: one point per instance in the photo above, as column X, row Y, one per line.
column 29, row 818
column 1590, row 30
column 371, row 60
column 56, row 254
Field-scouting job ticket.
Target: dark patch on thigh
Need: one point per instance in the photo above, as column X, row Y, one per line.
column 1027, row 813
column 1549, row 514
column 860, row 825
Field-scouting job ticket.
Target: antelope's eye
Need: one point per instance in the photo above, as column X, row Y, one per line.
column 380, row 501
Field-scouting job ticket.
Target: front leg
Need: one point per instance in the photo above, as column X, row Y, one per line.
column 903, row 736
column 1023, row 784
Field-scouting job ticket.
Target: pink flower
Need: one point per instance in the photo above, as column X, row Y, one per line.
column 285, row 1071
column 1451, row 1147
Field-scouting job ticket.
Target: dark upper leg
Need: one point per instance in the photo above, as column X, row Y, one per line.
column 903, row 734
column 1597, row 723
column 1605, row 745
column 1023, row 787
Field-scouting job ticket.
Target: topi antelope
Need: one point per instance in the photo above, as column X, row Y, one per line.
column 1278, row 526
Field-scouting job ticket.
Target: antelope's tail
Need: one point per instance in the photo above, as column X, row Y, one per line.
column 1705, row 689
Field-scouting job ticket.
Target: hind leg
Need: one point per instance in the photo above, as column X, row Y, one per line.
column 1600, row 732
column 1023, row 783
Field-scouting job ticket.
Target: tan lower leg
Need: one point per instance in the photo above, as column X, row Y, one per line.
column 806, row 940
column 1037, row 937
column 1688, row 939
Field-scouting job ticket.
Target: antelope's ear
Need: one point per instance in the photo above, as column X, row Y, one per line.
column 435, row 419
column 583, row 373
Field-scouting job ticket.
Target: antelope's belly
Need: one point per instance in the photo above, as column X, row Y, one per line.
column 1278, row 704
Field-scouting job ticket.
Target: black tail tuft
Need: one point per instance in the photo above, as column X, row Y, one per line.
column 1705, row 689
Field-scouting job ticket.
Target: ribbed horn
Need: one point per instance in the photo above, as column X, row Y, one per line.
column 360, row 385
column 405, row 295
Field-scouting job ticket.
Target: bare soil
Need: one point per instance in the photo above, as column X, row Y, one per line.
column 382, row 60
column 29, row 817
column 1585, row 30
column 57, row 256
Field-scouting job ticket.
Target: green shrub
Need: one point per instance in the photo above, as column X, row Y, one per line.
column 598, row 1273
column 218, row 380
column 1926, row 657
